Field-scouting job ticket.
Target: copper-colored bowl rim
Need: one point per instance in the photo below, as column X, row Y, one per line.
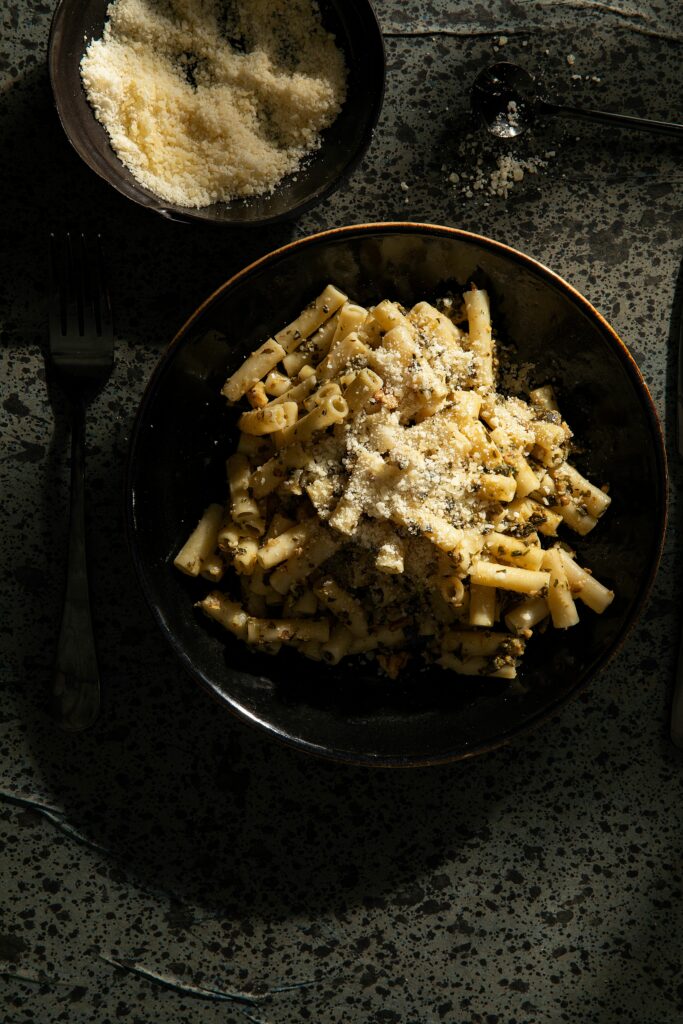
column 368, row 759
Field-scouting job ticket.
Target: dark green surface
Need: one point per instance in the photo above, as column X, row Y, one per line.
column 538, row 884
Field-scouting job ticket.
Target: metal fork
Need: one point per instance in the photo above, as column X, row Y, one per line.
column 80, row 360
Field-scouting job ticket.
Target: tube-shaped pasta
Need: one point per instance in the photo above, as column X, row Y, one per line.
column 527, row 614
column 522, row 516
column 512, row 551
column 388, row 315
column 327, row 303
column 347, row 513
column 477, row 666
column 390, row 636
column 434, row 527
column 575, row 516
column 483, row 447
column 314, row 348
column 482, row 607
column 369, row 472
column 497, row 487
column 298, row 393
column 320, row 547
column 244, row 558
column 253, row 369
column 267, row 421
column 330, row 411
column 276, row 383
column 435, row 325
column 583, row 492
column 228, row 613
column 351, row 317
column 362, row 388
column 287, row 544
column 243, row 507
column 583, row 585
column 506, row 577
column 544, row 398
column 560, row 602
column 466, row 407
column 325, row 391
column 401, row 342
column 230, row 536
column 551, row 438
column 363, row 644
column 340, row 355
column 321, row 493
column 266, row 631
column 201, row 543
column 213, row 568
column 341, row 604
column 467, row 642
column 478, row 310
column 338, row 646
column 390, row 557
column 452, row 590
column 257, row 396
column 257, row 449
column 526, row 480
column 305, row 604
column 277, row 525
column 257, row 582
column 268, row 477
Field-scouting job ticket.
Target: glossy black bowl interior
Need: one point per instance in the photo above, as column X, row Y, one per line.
column 184, row 431
column 357, row 32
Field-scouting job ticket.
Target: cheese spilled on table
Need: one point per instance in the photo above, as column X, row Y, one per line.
column 205, row 101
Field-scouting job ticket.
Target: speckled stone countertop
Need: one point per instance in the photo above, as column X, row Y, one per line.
column 174, row 866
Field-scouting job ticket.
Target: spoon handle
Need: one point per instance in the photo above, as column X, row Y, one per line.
column 618, row 120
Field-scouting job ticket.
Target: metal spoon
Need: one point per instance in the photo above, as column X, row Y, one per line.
column 508, row 99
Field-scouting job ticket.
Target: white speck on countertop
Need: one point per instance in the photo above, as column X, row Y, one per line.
column 571, row 59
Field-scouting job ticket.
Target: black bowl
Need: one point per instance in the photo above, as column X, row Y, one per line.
column 344, row 143
column 176, row 466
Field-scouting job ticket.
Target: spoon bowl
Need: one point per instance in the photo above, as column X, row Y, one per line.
column 505, row 96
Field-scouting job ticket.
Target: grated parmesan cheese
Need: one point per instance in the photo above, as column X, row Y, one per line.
column 203, row 106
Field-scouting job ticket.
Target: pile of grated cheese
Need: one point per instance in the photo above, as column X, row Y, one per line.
column 205, row 103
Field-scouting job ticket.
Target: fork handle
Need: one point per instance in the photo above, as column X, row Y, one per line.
column 77, row 677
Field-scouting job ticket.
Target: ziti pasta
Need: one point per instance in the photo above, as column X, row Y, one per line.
column 386, row 499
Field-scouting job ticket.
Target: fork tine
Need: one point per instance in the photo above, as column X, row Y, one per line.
column 87, row 291
column 73, row 300
column 101, row 290
column 79, row 302
column 56, row 312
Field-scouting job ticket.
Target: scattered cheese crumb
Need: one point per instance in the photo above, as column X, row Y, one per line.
column 571, row 59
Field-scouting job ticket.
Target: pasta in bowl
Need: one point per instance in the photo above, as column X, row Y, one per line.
column 390, row 501
column 386, row 500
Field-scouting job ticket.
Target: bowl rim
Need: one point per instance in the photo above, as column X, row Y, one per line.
column 368, row 759
column 146, row 199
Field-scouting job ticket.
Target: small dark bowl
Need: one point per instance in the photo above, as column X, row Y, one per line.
column 353, row 22
column 183, row 432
